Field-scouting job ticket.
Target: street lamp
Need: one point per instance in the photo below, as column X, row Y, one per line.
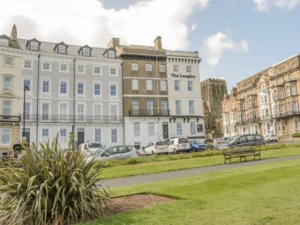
column 25, row 88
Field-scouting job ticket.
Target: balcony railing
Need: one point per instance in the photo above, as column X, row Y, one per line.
column 149, row 113
column 287, row 113
column 45, row 118
column 253, row 120
column 10, row 118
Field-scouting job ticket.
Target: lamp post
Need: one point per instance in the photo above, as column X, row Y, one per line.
column 25, row 88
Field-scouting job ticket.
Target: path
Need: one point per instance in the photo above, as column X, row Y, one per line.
column 142, row 179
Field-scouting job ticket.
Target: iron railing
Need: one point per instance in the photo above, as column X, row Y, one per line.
column 46, row 118
column 149, row 113
column 10, row 118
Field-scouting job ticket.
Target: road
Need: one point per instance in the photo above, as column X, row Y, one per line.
column 142, row 179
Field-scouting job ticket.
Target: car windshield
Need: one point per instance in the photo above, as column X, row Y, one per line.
column 231, row 140
column 99, row 151
column 160, row 143
column 196, row 142
column 95, row 145
column 183, row 140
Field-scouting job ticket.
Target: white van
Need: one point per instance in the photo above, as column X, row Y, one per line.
column 176, row 145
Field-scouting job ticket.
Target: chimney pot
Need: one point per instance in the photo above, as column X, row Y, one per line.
column 14, row 34
column 158, row 43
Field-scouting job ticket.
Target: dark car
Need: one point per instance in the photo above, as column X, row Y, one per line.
column 243, row 140
column 197, row 145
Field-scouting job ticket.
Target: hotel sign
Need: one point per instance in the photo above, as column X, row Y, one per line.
column 183, row 76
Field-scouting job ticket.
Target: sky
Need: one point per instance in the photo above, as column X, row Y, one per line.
column 235, row 38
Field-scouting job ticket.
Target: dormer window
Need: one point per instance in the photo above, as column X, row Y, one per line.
column 111, row 54
column 4, row 42
column 62, row 49
column 86, row 52
column 34, row 45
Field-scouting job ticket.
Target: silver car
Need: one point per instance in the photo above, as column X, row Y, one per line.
column 116, row 152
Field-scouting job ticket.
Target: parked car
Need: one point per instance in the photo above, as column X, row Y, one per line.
column 243, row 140
column 176, row 145
column 208, row 141
column 271, row 138
column 115, row 153
column 196, row 145
column 219, row 141
column 90, row 148
column 156, row 147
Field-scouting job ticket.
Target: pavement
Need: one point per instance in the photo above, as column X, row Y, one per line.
column 143, row 179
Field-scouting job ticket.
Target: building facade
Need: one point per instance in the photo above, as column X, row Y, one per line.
column 213, row 91
column 72, row 89
column 230, row 112
column 185, row 101
column 145, row 92
column 10, row 91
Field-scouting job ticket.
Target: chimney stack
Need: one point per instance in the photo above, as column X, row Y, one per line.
column 14, row 34
column 158, row 43
column 114, row 42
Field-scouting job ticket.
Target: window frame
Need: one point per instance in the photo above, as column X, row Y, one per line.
column 189, row 69
column 149, row 86
column 34, row 45
column 165, row 85
column 135, row 84
column 151, row 133
column 11, row 59
column 83, row 88
column 10, row 83
column 116, row 135
column 77, row 69
column 148, row 67
column 134, row 67
column 162, row 66
column 178, row 85
column 136, row 129
column 4, row 133
column 43, row 68
column 179, row 128
column 116, row 70
column 49, row 86
column 67, row 67
column 60, row 88
column 94, row 89
column 190, row 87
column 100, row 70
column 31, row 64
column 110, row 95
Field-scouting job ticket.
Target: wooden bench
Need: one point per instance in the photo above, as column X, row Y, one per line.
column 241, row 153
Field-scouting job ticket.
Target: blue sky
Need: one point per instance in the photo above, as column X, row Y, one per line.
column 235, row 38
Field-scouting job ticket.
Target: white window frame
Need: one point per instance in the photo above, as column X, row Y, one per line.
column 34, row 45
column 30, row 87
column 111, row 135
column 98, row 117
column 86, row 51
column 189, row 69
column 148, row 67
column 176, row 82
column 135, row 111
column 84, row 88
column 4, row 132
column 48, row 113
column 109, row 52
column 114, row 116
column 193, row 128
column 151, row 129
column 163, row 85
column 63, row 115
column 80, row 116
column 134, row 66
column 190, row 82
column 162, row 68
column 4, row 42
column 63, row 139
column 100, row 94
column 10, row 107
column 49, row 86
column 135, row 84
column 50, row 66
column 117, row 92
column 113, row 75
column 45, row 138
column 67, row 88
column 31, row 64
column 179, row 128
column 67, row 68
column 175, row 68
column 100, row 72
column 192, row 109
column 178, row 113
column 137, row 129
column 84, row 69
column 62, row 49
column 10, row 83
column 149, row 85
column 10, row 59
column 28, row 110
column 96, row 136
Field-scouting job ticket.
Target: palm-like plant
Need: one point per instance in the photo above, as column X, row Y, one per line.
column 51, row 187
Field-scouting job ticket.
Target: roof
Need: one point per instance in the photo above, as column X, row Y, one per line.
column 48, row 47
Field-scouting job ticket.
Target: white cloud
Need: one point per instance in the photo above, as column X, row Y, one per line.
column 216, row 44
column 264, row 5
column 88, row 22
column 194, row 26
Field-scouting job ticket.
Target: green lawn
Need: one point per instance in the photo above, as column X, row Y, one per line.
column 190, row 162
column 260, row 194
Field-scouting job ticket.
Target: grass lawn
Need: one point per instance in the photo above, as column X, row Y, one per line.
column 178, row 164
column 261, row 194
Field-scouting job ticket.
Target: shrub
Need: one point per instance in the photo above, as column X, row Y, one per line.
column 296, row 135
column 51, row 187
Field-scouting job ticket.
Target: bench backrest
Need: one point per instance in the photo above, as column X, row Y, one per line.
column 239, row 151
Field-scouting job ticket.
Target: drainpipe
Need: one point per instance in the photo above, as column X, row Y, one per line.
column 123, row 112
column 157, row 94
column 74, row 107
column 37, row 101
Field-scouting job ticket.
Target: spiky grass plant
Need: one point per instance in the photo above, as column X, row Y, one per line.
column 48, row 186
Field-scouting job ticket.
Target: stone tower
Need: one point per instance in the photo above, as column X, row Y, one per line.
column 213, row 91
